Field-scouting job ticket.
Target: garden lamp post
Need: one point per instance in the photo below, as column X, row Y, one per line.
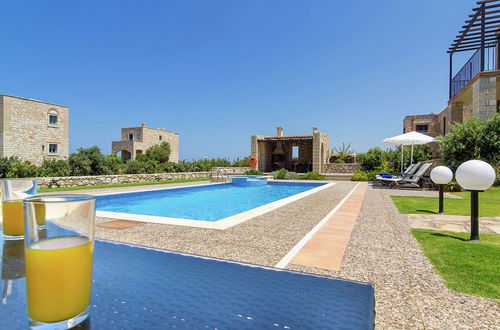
column 441, row 175
column 475, row 176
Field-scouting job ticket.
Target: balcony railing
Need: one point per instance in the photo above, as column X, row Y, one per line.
column 471, row 69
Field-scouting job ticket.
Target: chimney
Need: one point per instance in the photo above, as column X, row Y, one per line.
column 279, row 131
column 143, row 124
column 315, row 130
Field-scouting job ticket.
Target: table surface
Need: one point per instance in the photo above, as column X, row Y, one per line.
column 141, row 288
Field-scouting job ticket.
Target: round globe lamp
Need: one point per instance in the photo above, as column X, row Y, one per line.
column 475, row 176
column 441, row 175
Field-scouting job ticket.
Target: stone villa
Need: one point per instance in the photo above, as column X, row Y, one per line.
column 474, row 90
column 136, row 140
column 297, row 153
column 33, row 130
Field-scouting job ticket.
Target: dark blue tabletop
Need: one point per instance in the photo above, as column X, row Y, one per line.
column 140, row 288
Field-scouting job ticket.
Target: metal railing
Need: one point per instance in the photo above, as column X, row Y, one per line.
column 471, row 68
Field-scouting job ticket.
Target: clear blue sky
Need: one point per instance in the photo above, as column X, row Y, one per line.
column 218, row 72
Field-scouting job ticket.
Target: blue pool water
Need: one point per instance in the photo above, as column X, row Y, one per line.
column 209, row 203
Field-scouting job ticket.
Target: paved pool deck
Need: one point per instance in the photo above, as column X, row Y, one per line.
column 377, row 247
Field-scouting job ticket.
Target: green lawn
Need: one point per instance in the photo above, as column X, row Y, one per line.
column 489, row 204
column 119, row 185
column 468, row 267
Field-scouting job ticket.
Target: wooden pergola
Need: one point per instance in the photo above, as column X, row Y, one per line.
column 480, row 32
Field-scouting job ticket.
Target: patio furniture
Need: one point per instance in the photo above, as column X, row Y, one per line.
column 406, row 174
column 411, row 180
column 136, row 287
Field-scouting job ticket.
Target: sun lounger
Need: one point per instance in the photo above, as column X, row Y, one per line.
column 410, row 179
column 406, row 175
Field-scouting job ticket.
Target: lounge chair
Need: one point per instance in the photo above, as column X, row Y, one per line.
column 411, row 179
column 406, row 175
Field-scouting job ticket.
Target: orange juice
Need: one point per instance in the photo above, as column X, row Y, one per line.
column 58, row 278
column 13, row 218
column 40, row 214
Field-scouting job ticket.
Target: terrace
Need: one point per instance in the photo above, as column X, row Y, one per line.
column 348, row 230
column 480, row 34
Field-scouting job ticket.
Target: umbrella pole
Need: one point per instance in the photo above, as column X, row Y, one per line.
column 402, row 159
column 411, row 154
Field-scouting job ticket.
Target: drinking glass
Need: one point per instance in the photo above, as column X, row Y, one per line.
column 59, row 266
column 13, row 191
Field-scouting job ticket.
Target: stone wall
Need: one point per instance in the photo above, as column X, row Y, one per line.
column 27, row 133
column 410, row 123
column 341, row 168
column 221, row 172
column 75, row 181
column 96, row 180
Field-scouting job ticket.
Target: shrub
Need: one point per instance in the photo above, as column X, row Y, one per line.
column 361, row 175
column 91, row 161
column 55, row 167
column 112, row 164
column 312, row 176
column 6, row 164
column 475, row 139
column 135, row 166
column 241, row 162
column 23, row 169
column 453, row 186
column 372, row 159
column 292, row 176
column 159, row 153
column 253, row 172
column 279, row 174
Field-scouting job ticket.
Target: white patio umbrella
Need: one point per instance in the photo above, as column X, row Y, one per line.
column 410, row 138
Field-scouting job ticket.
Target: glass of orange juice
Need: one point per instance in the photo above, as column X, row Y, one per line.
column 59, row 265
column 13, row 192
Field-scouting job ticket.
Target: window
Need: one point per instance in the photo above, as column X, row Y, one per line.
column 53, row 117
column 131, row 136
column 421, row 128
column 295, row 152
column 160, row 138
column 52, row 148
column 53, row 120
column 444, row 125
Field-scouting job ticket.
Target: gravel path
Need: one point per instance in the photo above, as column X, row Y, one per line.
column 409, row 292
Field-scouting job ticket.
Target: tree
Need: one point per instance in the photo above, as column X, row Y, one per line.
column 55, row 167
column 91, row 161
column 159, row 153
column 475, row 139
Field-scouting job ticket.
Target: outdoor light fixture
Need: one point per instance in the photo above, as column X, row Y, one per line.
column 475, row 176
column 441, row 175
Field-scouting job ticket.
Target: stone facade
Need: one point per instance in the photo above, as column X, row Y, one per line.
column 425, row 124
column 33, row 130
column 348, row 168
column 479, row 98
column 298, row 153
column 136, row 140
column 95, row 180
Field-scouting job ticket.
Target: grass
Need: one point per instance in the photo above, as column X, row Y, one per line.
column 489, row 204
column 119, row 185
column 468, row 267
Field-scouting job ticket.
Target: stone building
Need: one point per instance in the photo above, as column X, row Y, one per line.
column 425, row 124
column 33, row 130
column 136, row 140
column 297, row 153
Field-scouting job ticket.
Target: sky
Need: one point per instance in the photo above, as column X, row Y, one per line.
column 219, row 71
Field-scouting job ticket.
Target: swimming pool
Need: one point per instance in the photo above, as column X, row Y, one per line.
column 204, row 203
